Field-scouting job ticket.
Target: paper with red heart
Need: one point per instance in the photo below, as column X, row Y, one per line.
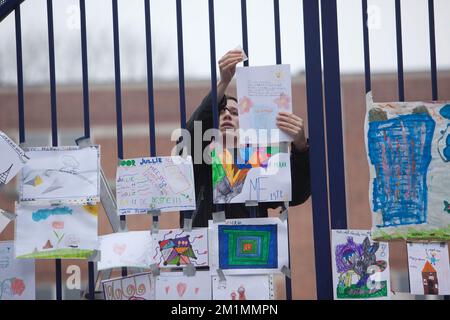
column 177, row 286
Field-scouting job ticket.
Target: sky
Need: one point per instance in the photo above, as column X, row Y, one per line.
column 196, row 38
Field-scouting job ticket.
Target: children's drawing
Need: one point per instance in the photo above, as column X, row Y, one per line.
column 409, row 169
column 177, row 248
column 249, row 246
column 61, row 173
column 360, row 266
column 429, row 268
column 262, row 92
column 135, row 287
column 125, row 249
column 161, row 183
column 248, row 287
column 176, row 286
column 17, row 277
column 251, row 173
column 12, row 160
column 56, row 232
column 5, row 219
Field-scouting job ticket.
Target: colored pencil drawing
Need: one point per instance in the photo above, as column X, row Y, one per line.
column 17, row 277
column 176, row 286
column 244, row 174
column 429, row 270
column 50, row 232
column 177, row 248
column 360, row 266
column 161, row 183
column 249, row 246
column 135, row 287
column 409, row 171
column 12, row 160
column 59, row 173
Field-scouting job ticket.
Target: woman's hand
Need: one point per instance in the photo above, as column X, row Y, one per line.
column 227, row 65
column 293, row 126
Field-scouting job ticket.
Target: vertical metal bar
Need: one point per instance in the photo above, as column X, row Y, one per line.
column 332, row 86
column 365, row 19
column 434, row 86
column 118, row 90
column 51, row 50
column 20, row 75
column 54, row 119
column 276, row 13
column 87, row 127
column 181, row 65
column 319, row 190
column 398, row 28
column 151, row 104
column 244, row 29
column 212, row 47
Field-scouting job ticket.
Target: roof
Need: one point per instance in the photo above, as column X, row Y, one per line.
column 428, row 267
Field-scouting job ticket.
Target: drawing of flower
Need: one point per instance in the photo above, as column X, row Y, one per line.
column 283, row 101
column 58, row 224
column 245, row 104
column 17, row 286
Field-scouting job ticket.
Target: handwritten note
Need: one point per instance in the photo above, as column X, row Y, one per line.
column 262, row 92
column 160, row 183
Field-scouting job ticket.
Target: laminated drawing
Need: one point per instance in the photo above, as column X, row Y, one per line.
column 159, row 183
column 250, row 173
column 61, row 173
column 360, row 266
column 408, row 146
column 56, row 232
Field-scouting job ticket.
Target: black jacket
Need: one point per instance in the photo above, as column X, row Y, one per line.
column 300, row 177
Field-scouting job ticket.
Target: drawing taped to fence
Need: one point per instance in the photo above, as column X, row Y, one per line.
column 61, row 173
column 158, row 183
column 408, row 145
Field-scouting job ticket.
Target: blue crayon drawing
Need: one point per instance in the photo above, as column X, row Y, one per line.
column 444, row 139
column 43, row 214
column 400, row 151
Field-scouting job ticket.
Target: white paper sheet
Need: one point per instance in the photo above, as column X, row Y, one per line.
column 175, row 248
column 176, row 286
column 17, row 276
column 61, row 173
column 429, row 268
column 12, row 159
column 125, row 249
column 262, row 92
column 134, row 287
column 360, row 266
column 249, row 287
column 49, row 232
column 159, row 183
column 249, row 246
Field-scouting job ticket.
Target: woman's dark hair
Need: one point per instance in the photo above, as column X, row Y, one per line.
column 224, row 101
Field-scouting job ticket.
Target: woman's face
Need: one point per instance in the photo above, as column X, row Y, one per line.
column 229, row 119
